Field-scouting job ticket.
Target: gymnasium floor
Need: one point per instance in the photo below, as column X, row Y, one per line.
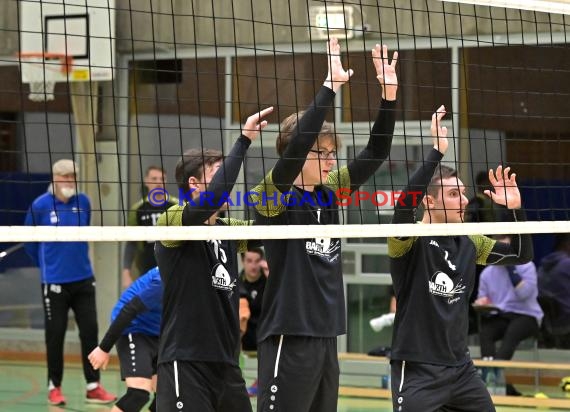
column 22, row 390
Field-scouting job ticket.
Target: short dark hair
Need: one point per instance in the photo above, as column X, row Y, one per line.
column 442, row 172
column 289, row 125
column 257, row 250
column 154, row 167
column 192, row 163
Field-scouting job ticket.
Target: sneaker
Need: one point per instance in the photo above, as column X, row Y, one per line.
column 252, row 390
column 99, row 395
column 55, row 397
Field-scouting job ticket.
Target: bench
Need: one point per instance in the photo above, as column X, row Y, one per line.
column 498, row 400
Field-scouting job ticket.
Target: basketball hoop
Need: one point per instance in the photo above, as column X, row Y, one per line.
column 42, row 70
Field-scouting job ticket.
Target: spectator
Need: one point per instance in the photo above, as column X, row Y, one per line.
column 253, row 277
column 67, row 280
column 145, row 213
column 512, row 291
column 480, row 208
column 554, row 282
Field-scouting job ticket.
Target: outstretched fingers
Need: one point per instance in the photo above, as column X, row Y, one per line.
column 381, row 60
column 337, row 75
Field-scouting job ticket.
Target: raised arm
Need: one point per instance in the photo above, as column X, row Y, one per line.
column 408, row 202
column 309, row 125
column 196, row 211
column 506, row 192
column 378, row 148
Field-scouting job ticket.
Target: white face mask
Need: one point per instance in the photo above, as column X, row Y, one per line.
column 67, row 192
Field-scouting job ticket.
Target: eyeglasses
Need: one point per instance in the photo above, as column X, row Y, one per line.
column 325, row 154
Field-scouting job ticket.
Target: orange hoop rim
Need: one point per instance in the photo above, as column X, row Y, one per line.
column 65, row 60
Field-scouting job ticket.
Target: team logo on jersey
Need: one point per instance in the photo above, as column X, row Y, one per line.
column 53, row 217
column 221, row 278
column 441, row 284
column 324, row 246
column 253, row 294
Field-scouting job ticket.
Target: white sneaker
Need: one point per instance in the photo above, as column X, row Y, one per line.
column 379, row 323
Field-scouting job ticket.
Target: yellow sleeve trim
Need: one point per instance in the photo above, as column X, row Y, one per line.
column 399, row 247
column 268, row 200
column 483, row 247
column 241, row 244
column 339, row 178
column 171, row 217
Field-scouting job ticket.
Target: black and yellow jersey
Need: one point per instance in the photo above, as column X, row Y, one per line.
column 304, row 294
column 200, row 319
column 200, row 278
column 433, row 277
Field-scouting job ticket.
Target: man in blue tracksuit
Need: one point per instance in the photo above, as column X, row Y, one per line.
column 67, row 280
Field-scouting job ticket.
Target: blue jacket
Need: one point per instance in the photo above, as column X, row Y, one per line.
column 60, row 262
column 148, row 288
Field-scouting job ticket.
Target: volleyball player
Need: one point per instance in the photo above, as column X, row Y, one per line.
column 433, row 277
column 303, row 307
column 199, row 344
column 145, row 213
column 135, row 328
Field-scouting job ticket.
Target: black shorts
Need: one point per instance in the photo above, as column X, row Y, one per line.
column 297, row 374
column 192, row 386
column 138, row 355
column 421, row 387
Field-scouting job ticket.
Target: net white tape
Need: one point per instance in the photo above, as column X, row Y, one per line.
column 122, row 233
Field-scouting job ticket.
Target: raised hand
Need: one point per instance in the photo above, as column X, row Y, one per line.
column 439, row 132
column 386, row 71
column 336, row 76
column 505, row 190
column 254, row 124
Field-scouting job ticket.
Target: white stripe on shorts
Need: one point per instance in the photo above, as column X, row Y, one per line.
column 278, row 356
column 402, row 376
column 176, row 388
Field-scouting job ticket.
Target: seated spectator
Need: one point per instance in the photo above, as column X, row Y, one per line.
column 512, row 291
column 554, row 283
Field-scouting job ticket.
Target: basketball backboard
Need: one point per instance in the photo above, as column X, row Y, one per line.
column 82, row 29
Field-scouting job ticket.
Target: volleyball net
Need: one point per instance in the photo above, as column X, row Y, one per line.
column 124, row 88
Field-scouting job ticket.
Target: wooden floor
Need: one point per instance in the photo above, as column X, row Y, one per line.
column 22, row 389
